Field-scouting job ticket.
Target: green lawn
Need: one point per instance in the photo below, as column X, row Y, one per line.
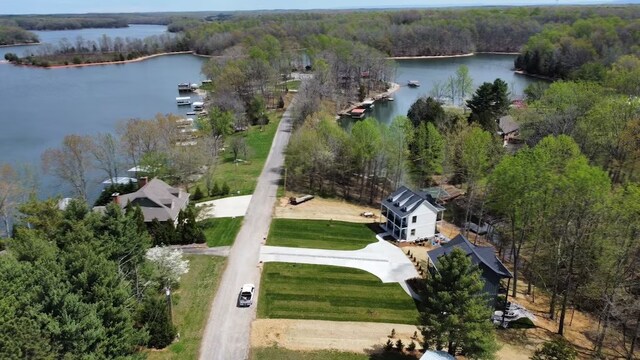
column 320, row 234
column 300, row 291
column 221, row 231
column 275, row 353
column 191, row 304
column 243, row 176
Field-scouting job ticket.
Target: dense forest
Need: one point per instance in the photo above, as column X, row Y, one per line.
column 557, row 41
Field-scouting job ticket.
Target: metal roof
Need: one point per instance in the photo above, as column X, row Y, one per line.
column 405, row 201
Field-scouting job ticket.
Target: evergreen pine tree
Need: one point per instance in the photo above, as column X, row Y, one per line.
column 225, row 189
column 157, row 321
column 197, row 195
column 456, row 315
column 216, row 189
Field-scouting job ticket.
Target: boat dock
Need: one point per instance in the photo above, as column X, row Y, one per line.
column 368, row 103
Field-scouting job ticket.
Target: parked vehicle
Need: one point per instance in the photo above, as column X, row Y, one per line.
column 245, row 299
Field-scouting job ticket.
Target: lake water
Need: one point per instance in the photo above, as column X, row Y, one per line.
column 54, row 37
column 482, row 68
column 40, row 106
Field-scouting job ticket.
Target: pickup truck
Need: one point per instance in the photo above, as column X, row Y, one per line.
column 245, row 299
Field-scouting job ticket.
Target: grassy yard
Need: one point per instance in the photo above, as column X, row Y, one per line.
column 300, row 291
column 243, row 176
column 221, row 231
column 320, row 234
column 275, row 353
column 191, row 304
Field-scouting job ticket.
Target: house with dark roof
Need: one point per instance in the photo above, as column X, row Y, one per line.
column 410, row 215
column 493, row 270
column 509, row 129
column 157, row 200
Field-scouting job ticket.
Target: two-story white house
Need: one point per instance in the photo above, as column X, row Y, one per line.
column 410, row 215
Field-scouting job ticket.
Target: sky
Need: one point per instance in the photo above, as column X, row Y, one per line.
column 84, row 6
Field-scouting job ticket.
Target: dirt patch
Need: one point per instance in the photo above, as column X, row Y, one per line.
column 358, row 337
column 325, row 209
column 579, row 326
column 326, row 335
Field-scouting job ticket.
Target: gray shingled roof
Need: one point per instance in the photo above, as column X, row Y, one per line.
column 157, row 200
column 405, row 201
column 508, row 125
column 480, row 255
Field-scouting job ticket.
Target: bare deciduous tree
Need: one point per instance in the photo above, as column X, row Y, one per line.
column 70, row 163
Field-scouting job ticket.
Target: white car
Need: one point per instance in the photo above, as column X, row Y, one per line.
column 245, row 299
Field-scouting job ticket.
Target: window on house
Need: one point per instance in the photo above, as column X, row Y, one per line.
column 413, row 231
column 414, row 219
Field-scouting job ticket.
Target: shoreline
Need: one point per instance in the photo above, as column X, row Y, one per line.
column 427, row 57
column 424, row 57
column 541, row 77
column 21, row 44
column 143, row 58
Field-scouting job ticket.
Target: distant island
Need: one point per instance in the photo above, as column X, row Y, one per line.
column 13, row 35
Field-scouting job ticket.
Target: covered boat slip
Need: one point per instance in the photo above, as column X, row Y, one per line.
column 183, row 100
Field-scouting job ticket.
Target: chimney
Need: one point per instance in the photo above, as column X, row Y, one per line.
column 142, row 182
column 116, row 198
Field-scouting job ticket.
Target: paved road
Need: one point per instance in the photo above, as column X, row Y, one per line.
column 227, row 335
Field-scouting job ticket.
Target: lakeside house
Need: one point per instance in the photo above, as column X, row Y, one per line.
column 410, row 216
column 157, row 200
column 509, row 130
column 493, row 270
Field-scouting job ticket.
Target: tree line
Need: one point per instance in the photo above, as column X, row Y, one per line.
column 105, row 49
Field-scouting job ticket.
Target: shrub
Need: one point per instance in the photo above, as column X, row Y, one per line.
column 11, row 57
column 557, row 349
column 76, row 60
column 216, row 190
column 393, row 333
column 399, row 345
column 225, row 189
column 197, row 195
column 411, row 346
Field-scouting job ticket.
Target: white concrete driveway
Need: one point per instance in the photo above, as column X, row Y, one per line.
column 233, row 206
column 385, row 261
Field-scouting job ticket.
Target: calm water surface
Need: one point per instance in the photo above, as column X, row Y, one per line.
column 54, row 37
column 38, row 107
column 430, row 71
